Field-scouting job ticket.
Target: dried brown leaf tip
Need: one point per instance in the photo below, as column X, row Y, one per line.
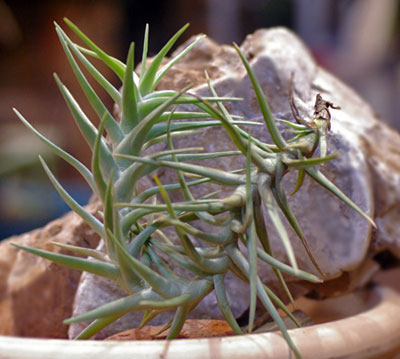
column 321, row 110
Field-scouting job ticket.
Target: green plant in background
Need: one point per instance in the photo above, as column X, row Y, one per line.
column 132, row 225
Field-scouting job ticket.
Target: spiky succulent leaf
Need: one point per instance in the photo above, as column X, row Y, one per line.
column 75, row 206
column 215, row 174
column 307, row 162
column 242, row 263
column 130, row 96
column 145, row 49
column 117, row 307
column 97, row 267
column 326, row 183
column 82, row 251
column 80, row 167
column 300, row 179
column 160, row 73
column 96, row 74
column 136, row 138
column 98, row 176
column 87, row 129
column 112, row 126
column 117, row 66
column 265, row 191
column 161, row 128
column 262, row 102
column 148, row 79
column 97, row 325
column 223, row 303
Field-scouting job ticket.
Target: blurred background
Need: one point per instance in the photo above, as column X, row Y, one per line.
column 358, row 40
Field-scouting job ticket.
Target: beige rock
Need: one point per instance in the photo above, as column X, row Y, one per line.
column 36, row 295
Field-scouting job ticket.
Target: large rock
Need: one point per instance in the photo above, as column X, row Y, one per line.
column 36, row 295
column 367, row 170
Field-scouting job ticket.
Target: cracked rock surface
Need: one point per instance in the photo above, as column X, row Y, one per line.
column 36, row 295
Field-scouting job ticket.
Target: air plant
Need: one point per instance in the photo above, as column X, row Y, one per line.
column 132, row 224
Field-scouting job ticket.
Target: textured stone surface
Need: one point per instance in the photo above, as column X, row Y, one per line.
column 340, row 239
column 36, row 295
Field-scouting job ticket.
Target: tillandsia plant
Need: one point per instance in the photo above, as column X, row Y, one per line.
column 132, row 224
